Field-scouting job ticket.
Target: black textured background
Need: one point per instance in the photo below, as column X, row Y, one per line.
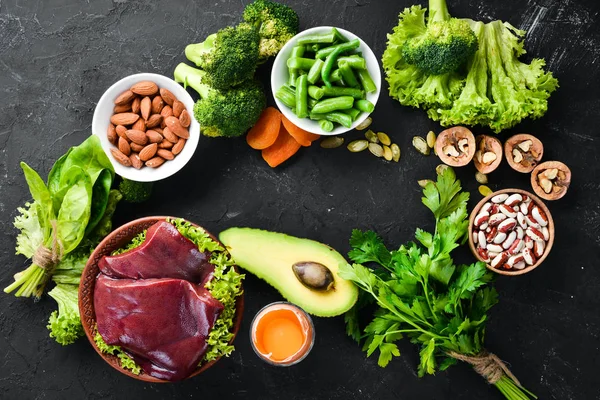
column 58, row 56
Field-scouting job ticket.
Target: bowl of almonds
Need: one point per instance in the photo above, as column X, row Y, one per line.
column 512, row 231
column 146, row 126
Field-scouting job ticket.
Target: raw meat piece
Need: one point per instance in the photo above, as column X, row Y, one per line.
column 165, row 253
column 162, row 323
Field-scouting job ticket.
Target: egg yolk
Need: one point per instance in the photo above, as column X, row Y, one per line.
column 279, row 334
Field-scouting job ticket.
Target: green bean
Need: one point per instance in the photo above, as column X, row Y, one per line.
column 339, row 117
column 297, row 51
column 319, row 38
column 315, row 92
column 353, row 61
column 366, row 81
column 335, row 76
column 365, row 105
column 329, row 63
column 302, row 96
column 335, row 91
column 326, row 125
column 315, row 72
column 333, row 104
column 338, row 36
column 300, row 63
column 312, row 102
column 353, row 112
column 287, row 98
column 348, row 75
column 344, row 47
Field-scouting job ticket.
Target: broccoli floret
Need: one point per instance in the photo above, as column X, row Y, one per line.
column 65, row 324
column 229, row 56
column 276, row 23
column 444, row 45
column 135, row 192
column 227, row 113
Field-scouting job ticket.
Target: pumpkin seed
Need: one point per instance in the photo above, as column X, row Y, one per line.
column 485, row 191
column 395, row 152
column 440, row 169
column 358, row 146
column 481, row 178
column 387, row 153
column 431, row 139
column 423, row 182
column 384, row 139
column 421, row 145
column 371, row 136
column 376, row 149
column 365, row 124
column 332, row 142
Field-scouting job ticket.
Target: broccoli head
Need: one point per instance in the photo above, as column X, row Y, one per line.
column 443, row 45
column 65, row 325
column 230, row 112
column 135, row 192
column 229, row 56
column 276, row 23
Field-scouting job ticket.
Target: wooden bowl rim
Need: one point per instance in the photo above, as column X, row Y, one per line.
column 111, row 240
column 540, row 204
column 546, row 165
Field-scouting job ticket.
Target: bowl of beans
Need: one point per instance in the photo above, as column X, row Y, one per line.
column 512, row 231
column 326, row 80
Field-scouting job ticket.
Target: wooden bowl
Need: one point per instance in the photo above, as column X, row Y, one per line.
column 549, row 244
column 117, row 239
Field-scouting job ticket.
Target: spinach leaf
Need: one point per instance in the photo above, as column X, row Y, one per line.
column 100, row 192
column 41, row 196
column 74, row 213
column 56, row 172
column 90, row 157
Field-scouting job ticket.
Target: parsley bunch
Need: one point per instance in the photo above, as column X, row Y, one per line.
column 422, row 295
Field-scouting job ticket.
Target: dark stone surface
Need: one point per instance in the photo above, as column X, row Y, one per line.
column 58, row 56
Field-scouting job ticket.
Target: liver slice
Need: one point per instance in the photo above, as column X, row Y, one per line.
column 165, row 253
column 162, row 323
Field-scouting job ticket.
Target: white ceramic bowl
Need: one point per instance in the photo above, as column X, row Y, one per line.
column 280, row 75
column 104, row 110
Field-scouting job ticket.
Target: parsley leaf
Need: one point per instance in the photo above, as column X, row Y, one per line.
column 368, row 247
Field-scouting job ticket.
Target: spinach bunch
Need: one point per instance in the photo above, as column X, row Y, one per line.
column 422, row 295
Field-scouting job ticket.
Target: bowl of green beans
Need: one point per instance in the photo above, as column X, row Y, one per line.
column 326, row 80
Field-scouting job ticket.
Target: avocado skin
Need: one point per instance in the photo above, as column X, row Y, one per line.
column 271, row 255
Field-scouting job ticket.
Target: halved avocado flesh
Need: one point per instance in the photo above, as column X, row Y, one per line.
column 270, row 256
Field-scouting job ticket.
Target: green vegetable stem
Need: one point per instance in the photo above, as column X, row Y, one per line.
column 287, row 96
column 342, row 48
column 300, row 63
column 326, row 125
column 335, row 116
column 297, row 52
column 348, row 75
column 314, row 74
column 366, row 81
column 316, row 92
column 335, row 91
column 318, row 38
column 333, row 104
column 354, row 61
column 302, row 96
column 365, row 105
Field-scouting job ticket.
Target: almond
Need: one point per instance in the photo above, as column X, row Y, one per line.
column 124, row 146
column 136, row 136
column 122, row 108
column 159, row 130
column 184, row 119
column 155, row 162
column 121, row 158
column 145, row 107
column 120, row 129
column 178, row 146
column 178, row 108
column 170, row 136
column 140, row 125
column 157, row 105
column 124, row 98
column 165, row 144
column 153, row 136
column 124, row 118
column 111, row 134
column 145, row 88
column 136, row 147
column 167, row 96
column 135, row 105
column 154, row 120
column 175, row 126
column 135, row 161
column 167, row 111
column 148, row 152
column 166, row 154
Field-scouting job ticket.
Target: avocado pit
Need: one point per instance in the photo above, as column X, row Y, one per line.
column 314, row 275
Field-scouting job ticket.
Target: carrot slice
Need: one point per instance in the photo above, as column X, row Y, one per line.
column 303, row 137
column 284, row 147
column 264, row 133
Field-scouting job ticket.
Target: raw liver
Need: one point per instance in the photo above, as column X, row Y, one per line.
column 165, row 253
column 162, row 323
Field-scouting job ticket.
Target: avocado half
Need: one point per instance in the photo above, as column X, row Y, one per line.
column 271, row 255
